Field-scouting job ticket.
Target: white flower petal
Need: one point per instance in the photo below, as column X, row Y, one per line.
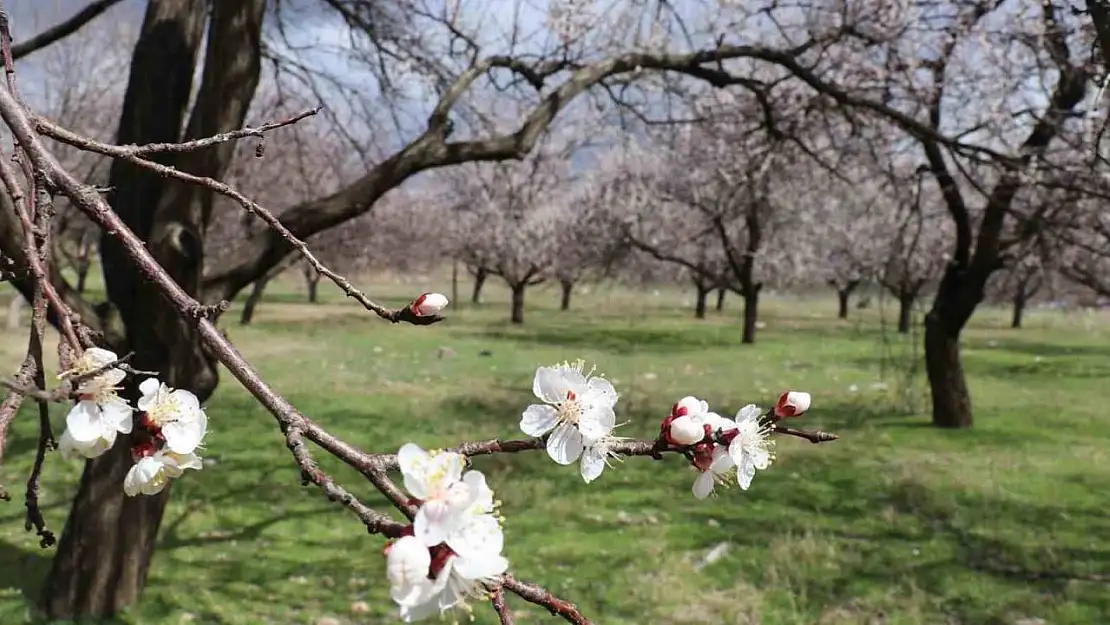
column 745, row 472
column 182, row 437
column 703, row 485
column 750, row 412
column 478, row 535
column 84, row 422
column 596, row 422
column 140, row 479
column 593, row 463
column 484, row 567
column 601, row 391
column 413, row 460
column 430, row 525
column 538, row 419
column 565, row 444
column 97, row 357
column 116, row 415
column 550, row 384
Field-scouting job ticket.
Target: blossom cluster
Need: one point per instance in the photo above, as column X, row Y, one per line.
column 452, row 550
column 173, row 420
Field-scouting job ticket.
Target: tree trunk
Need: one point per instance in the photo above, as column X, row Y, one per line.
column 108, row 542
column 947, row 382
column 751, row 312
column 455, row 282
column 700, row 303
column 257, row 289
column 905, row 312
column 518, row 302
column 567, row 288
column 313, row 288
column 721, row 299
column 479, row 281
column 843, row 295
column 1019, row 311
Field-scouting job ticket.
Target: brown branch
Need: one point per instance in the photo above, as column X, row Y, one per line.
column 811, row 436
column 128, row 154
column 504, row 613
column 63, row 29
column 198, row 144
column 543, row 597
column 10, row 407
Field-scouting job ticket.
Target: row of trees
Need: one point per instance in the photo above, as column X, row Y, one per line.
column 941, row 149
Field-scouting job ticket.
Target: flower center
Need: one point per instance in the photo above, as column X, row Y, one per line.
column 163, row 412
column 570, row 411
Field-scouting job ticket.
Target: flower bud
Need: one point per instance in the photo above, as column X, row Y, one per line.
column 792, row 404
column 689, row 405
column 685, row 430
column 429, row 304
column 407, row 559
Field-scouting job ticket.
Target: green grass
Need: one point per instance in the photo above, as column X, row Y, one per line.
column 897, row 523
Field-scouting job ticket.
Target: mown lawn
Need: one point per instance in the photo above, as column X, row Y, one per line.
column 897, row 523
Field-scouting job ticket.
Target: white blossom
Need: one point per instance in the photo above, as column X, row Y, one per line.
column 596, row 455
column 445, row 492
column 792, row 404
column 99, row 414
column 150, row 475
column 175, row 413
column 752, row 447
column 717, row 467
column 577, row 410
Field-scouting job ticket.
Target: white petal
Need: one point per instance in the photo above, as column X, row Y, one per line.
column 479, row 534
column 431, row 524
column 565, row 444
column 448, row 464
column 703, row 485
column 593, row 463
column 722, row 461
column 601, row 391
column 687, row 430
column 750, row 412
column 407, row 561
column 186, row 401
column 182, row 437
column 538, row 419
column 761, row 458
column 187, row 461
column 98, row 357
column 482, row 494
column 139, row 477
column 117, row 415
column 745, row 473
column 484, row 567
column 84, row 422
column 550, row 385
column 717, row 422
column 413, row 460
column 596, row 422
column 149, row 386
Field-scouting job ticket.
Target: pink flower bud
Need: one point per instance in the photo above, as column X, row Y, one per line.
column 685, row 430
column 429, row 304
column 792, row 404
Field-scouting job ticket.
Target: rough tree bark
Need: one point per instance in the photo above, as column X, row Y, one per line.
column 108, row 542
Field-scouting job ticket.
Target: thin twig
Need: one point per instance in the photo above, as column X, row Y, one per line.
column 504, row 612
column 128, row 154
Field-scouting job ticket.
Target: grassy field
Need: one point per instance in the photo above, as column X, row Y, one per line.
column 898, row 523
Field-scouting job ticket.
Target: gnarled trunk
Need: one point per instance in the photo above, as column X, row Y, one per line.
column 518, row 302
column 108, row 542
